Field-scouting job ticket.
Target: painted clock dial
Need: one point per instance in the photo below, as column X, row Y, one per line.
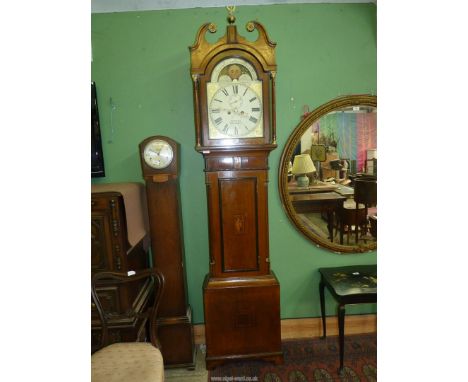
column 235, row 110
column 234, row 99
column 158, row 154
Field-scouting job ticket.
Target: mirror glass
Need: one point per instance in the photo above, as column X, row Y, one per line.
column 328, row 175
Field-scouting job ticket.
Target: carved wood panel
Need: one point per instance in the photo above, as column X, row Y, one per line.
column 109, row 297
column 99, row 250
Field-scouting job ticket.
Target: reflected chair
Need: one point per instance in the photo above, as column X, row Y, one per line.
column 128, row 361
column 351, row 215
column 365, row 192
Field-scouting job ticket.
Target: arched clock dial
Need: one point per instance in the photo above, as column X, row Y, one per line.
column 235, row 110
column 158, row 154
column 234, row 99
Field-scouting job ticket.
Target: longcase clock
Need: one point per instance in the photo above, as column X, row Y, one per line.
column 234, row 109
column 159, row 158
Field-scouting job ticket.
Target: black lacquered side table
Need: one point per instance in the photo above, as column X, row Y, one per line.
column 356, row 284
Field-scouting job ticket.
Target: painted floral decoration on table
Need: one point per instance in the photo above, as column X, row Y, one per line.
column 356, row 280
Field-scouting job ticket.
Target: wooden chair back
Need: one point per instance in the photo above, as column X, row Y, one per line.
column 365, row 192
column 151, row 313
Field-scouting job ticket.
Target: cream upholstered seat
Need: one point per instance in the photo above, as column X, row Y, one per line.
column 125, row 362
column 128, row 361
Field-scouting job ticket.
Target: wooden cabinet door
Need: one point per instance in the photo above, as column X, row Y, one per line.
column 108, row 230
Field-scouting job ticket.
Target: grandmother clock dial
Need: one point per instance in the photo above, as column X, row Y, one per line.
column 159, row 158
column 234, row 108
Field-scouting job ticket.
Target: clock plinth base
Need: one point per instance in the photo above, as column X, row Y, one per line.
column 242, row 319
column 214, row 362
column 177, row 344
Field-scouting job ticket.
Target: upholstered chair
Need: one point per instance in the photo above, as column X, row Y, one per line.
column 128, row 361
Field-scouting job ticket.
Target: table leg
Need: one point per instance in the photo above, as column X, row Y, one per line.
column 330, row 218
column 341, row 321
column 322, row 307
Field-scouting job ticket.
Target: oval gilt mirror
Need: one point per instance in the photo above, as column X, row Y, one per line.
column 328, row 175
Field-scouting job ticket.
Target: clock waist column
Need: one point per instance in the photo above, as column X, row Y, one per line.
column 175, row 315
column 237, row 195
column 167, row 246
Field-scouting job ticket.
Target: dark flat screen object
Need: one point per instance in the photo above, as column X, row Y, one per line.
column 97, row 159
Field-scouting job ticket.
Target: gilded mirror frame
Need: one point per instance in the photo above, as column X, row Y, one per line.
column 292, row 142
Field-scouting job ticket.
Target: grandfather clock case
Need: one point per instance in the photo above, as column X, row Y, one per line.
column 234, row 109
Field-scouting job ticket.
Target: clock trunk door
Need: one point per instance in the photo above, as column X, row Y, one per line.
column 238, row 212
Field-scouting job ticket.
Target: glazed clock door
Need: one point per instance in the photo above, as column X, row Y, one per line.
column 235, row 102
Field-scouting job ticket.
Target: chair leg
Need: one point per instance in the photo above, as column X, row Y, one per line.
column 341, row 226
column 356, row 224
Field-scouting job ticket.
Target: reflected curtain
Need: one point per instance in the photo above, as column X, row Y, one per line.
column 366, row 128
column 352, row 134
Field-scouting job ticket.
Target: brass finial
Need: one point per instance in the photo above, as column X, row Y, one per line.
column 231, row 18
column 212, row 27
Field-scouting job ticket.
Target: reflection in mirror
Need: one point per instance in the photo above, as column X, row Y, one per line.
column 328, row 175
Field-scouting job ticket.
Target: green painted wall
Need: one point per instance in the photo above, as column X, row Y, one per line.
column 141, row 61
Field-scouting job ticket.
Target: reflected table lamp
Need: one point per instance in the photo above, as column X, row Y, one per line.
column 302, row 166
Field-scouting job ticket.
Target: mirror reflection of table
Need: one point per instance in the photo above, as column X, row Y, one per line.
column 329, row 202
column 345, row 191
column 294, row 189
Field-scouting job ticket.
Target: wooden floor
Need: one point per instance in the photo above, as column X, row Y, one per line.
column 200, row 374
column 312, row 327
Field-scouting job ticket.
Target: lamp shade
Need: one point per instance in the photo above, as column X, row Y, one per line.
column 303, row 164
column 371, row 154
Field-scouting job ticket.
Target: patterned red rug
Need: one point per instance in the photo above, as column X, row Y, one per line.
column 309, row 360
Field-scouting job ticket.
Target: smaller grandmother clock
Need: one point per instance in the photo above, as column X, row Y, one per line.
column 159, row 157
column 234, row 109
